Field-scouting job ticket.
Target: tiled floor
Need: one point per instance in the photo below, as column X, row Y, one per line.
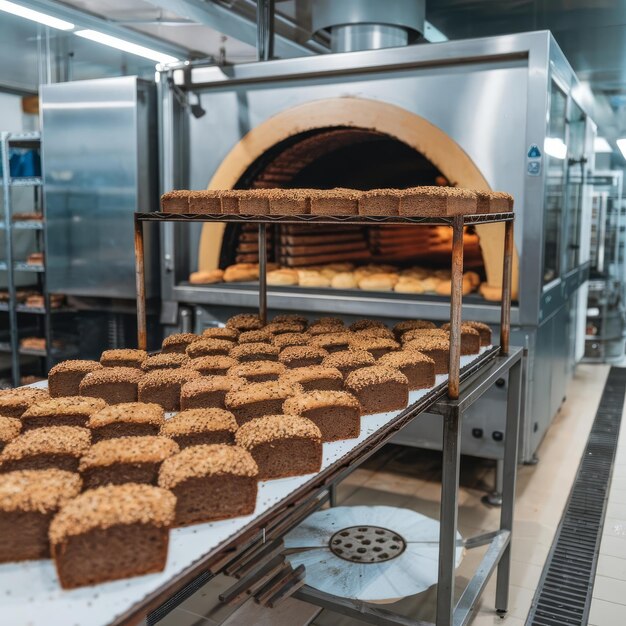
column 608, row 606
column 410, row 478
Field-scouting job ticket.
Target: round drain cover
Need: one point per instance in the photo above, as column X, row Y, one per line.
column 367, row 544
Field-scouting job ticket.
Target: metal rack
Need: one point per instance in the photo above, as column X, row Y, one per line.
column 463, row 388
column 456, row 298
column 10, row 265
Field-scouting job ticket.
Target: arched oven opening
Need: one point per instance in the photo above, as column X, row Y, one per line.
column 358, row 158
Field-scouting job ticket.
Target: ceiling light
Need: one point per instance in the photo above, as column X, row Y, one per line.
column 621, row 144
column 555, row 147
column 126, row 46
column 600, row 144
column 35, row 16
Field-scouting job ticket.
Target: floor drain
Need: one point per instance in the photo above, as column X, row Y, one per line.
column 564, row 592
column 367, row 544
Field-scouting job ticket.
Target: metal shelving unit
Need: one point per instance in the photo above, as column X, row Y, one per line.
column 606, row 303
column 10, row 265
column 463, row 387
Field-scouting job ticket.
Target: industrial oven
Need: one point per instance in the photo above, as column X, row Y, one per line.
column 505, row 113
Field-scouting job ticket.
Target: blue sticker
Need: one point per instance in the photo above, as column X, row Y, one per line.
column 534, row 152
column 534, row 168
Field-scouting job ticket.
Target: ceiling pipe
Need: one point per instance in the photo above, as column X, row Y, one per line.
column 369, row 24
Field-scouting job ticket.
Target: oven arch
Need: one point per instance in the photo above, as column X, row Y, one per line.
column 417, row 132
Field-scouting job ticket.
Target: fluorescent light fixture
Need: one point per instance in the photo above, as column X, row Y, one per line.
column 600, row 144
column 621, row 144
column 126, row 46
column 35, row 16
column 555, row 147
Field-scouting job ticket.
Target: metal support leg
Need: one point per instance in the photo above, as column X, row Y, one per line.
column 508, row 486
column 332, row 495
column 507, row 277
column 494, row 498
column 140, row 280
column 448, row 516
column 263, row 273
column 456, row 304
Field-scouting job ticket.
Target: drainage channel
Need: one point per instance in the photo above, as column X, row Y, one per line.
column 563, row 595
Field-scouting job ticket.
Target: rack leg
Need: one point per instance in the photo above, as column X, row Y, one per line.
column 263, row 273
column 509, row 475
column 456, row 304
column 448, row 516
column 140, row 280
column 507, row 277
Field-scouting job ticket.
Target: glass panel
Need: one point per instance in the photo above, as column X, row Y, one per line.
column 575, row 176
column 555, row 152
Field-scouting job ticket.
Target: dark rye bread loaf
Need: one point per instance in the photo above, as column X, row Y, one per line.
column 290, row 339
column 291, row 317
column 43, row 448
column 112, row 384
column 348, row 361
column 212, row 365
column 366, row 324
column 314, row 377
column 129, row 419
column 282, row 445
column 178, row 342
column 335, row 201
column 229, row 334
column 380, row 333
column 125, row 357
column 380, row 202
column 257, row 371
column 13, row 402
column 110, row 533
column 195, row 427
column 302, row 356
column 417, row 367
column 256, row 336
column 163, row 387
column 125, row 460
column 258, row 399
column 66, row 411
column 420, row 333
column 167, row 361
column 175, row 201
column 205, row 201
column 287, row 326
column 29, row 499
column 208, row 347
column 378, row 389
column 435, row 347
column 470, row 338
column 10, row 428
column 244, row 321
column 255, row 352
column 437, row 201
column 402, row 327
column 64, row 378
column 493, row 202
column 208, row 392
column 483, row 330
column 210, row 482
column 376, row 346
column 336, row 413
column 332, row 342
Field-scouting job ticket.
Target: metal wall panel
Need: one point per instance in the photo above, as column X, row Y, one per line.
column 99, row 160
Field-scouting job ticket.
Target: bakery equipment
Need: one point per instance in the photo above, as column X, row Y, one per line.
column 606, row 303
column 401, row 107
column 99, row 160
column 368, row 553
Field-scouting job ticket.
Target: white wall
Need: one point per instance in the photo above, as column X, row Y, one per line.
column 11, row 117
